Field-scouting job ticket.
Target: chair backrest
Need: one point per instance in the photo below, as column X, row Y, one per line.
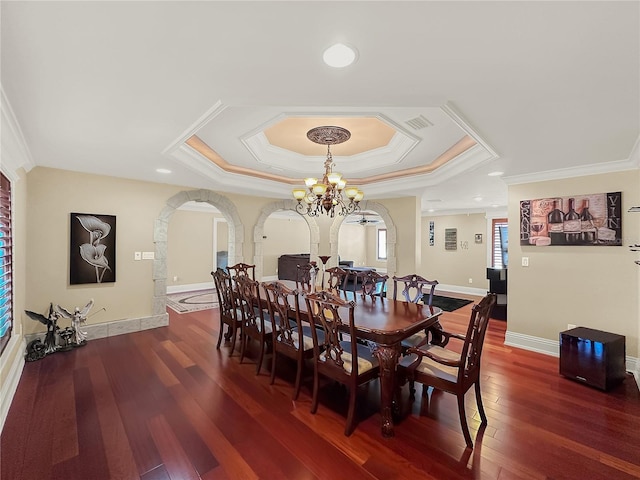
column 474, row 339
column 372, row 283
column 324, row 312
column 414, row 287
column 281, row 301
column 222, row 282
column 242, row 269
column 337, row 277
column 250, row 304
column 306, row 275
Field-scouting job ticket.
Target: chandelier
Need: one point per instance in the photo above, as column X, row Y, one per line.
column 325, row 196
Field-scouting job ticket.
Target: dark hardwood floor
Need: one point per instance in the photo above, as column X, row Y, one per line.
column 165, row 404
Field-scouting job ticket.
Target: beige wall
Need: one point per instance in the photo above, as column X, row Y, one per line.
column 190, row 247
column 284, row 236
column 468, row 261
column 404, row 212
column 590, row 286
column 352, row 243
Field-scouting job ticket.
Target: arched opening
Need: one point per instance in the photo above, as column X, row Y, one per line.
column 160, row 236
column 259, row 233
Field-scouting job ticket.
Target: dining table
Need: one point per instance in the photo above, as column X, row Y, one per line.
column 384, row 323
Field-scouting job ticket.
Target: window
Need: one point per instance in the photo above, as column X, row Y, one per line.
column 6, row 261
column 500, row 250
column 382, row 244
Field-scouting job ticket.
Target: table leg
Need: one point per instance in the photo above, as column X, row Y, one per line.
column 388, row 359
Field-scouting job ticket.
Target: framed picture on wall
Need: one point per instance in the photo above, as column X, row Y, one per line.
column 593, row 219
column 431, row 233
column 92, row 255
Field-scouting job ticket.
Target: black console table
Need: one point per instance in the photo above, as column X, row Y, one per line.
column 593, row 357
column 498, row 284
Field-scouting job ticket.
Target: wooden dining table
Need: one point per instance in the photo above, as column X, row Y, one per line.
column 386, row 323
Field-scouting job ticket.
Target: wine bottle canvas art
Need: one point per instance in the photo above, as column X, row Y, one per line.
column 593, row 219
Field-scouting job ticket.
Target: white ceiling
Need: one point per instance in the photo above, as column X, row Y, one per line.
column 548, row 89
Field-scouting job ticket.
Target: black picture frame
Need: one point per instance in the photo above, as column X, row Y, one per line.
column 92, row 248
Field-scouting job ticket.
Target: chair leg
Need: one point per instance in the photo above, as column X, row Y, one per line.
column 234, row 333
column 348, row 430
column 314, row 399
column 260, row 357
column 296, row 388
column 243, row 344
column 273, row 366
column 220, row 335
column 463, row 421
column 483, row 416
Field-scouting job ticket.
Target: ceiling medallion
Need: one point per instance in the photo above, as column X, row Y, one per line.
column 325, row 196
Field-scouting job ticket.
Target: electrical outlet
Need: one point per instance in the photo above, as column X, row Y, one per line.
column 175, row 278
column 525, row 261
column 471, row 280
column 570, row 326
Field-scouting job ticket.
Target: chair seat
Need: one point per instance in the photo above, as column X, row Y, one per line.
column 366, row 360
column 431, row 367
column 414, row 339
column 307, row 337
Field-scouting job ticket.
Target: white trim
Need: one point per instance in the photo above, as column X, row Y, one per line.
column 190, row 287
column 209, row 115
column 10, row 385
column 270, row 278
column 441, row 287
column 571, row 172
column 14, row 149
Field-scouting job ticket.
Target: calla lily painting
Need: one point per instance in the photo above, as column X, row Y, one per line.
column 93, row 249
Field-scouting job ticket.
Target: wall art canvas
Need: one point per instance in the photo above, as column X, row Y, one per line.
column 593, row 219
column 92, row 256
column 431, row 233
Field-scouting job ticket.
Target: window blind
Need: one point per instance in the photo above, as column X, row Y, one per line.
column 6, row 263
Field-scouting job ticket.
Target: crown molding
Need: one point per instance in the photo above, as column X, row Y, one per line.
column 14, row 150
column 209, row 115
column 581, row 171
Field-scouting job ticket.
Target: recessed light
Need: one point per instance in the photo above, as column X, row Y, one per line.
column 495, row 174
column 495, row 205
column 431, row 210
column 163, row 170
column 339, row 55
column 478, row 198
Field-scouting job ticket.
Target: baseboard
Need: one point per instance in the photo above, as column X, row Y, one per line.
column 441, row 287
column 269, row 278
column 552, row 347
column 190, row 287
column 10, row 385
column 117, row 327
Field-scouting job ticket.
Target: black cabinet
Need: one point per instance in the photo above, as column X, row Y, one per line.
column 498, row 284
column 593, row 357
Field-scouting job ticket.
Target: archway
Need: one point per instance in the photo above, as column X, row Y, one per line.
column 258, row 232
column 391, row 234
column 161, row 229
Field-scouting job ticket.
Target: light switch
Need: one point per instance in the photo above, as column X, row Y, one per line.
column 148, row 255
column 525, row 261
column 137, row 255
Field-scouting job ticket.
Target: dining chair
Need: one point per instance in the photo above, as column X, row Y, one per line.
column 344, row 361
column 256, row 322
column 292, row 335
column 413, row 291
column 372, row 284
column 242, row 269
column 451, row 370
column 228, row 311
column 306, row 276
column 414, row 287
column 336, row 281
